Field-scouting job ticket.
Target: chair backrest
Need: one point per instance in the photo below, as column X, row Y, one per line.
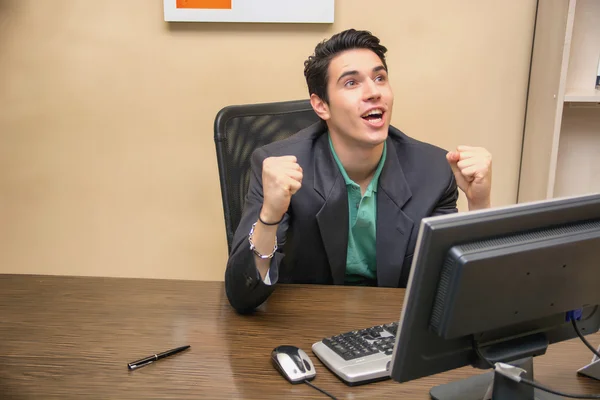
column 239, row 130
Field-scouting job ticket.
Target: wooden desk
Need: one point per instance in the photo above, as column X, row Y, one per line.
column 71, row 338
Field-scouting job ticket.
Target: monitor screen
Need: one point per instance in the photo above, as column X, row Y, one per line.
column 499, row 285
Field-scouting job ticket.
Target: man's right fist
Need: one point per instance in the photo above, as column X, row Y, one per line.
column 281, row 178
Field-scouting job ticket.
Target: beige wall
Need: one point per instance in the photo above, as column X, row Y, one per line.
column 107, row 162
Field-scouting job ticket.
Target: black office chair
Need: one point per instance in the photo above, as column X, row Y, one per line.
column 239, row 130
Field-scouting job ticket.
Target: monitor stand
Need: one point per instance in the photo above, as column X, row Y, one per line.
column 591, row 370
column 502, row 388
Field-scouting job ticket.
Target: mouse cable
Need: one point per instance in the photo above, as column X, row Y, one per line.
column 583, row 339
column 320, row 390
column 537, row 385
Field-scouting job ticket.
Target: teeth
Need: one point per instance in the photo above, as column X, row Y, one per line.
column 376, row 111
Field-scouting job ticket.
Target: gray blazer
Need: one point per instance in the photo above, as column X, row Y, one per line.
column 416, row 182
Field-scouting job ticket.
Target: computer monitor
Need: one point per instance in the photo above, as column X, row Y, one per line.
column 503, row 280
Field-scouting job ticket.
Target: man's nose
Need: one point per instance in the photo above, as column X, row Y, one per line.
column 372, row 91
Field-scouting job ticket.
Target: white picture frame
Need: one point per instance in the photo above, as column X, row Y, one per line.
column 270, row 11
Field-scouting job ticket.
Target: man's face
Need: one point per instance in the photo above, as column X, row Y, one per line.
column 360, row 98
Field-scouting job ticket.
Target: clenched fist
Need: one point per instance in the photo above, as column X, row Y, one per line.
column 472, row 167
column 281, row 178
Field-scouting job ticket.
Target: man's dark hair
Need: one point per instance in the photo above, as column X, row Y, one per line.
column 316, row 67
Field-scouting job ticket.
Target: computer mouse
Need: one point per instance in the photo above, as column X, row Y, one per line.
column 293, row 363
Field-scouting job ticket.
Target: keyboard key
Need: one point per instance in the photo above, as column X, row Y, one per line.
column 354, row 344
column 360, row 343
column 391, row 328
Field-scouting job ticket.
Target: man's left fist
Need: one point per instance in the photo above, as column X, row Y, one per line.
column 472, row 167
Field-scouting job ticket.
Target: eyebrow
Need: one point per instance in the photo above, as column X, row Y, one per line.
column 355, row 72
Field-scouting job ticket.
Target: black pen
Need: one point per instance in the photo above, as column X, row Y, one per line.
column 155, row 357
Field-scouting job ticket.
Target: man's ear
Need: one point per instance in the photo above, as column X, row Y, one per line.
column 320, row 107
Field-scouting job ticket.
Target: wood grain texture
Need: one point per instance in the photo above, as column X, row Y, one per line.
column 71, row 338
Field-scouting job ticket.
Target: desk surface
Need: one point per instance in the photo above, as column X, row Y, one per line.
column 69, row 337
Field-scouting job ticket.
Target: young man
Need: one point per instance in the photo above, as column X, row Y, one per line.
column 340, row 202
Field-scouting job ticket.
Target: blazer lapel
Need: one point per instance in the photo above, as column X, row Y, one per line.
column 394, row 227
column 332, row 218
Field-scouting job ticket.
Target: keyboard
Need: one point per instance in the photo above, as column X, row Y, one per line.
column 360, row 356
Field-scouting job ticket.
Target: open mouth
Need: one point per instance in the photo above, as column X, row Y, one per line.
column 374, row 116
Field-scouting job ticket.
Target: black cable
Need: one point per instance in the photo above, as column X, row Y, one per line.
column 320, row 390
column 584, row 340
column 537, row 385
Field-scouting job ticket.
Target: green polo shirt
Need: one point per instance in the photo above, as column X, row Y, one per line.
column 361, row 260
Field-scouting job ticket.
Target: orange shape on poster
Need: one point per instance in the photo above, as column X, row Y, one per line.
column 224, row 4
